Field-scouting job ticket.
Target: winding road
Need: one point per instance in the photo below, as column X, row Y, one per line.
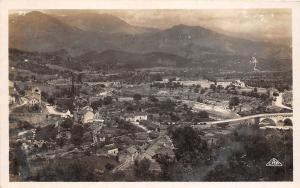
column 244, row 118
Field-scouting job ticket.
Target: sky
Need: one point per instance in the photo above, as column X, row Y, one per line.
column 268, row 23
column 262, row 24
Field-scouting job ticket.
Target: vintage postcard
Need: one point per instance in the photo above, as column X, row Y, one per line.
column 152, row 93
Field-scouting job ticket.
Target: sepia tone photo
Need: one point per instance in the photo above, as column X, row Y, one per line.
column 109, row 95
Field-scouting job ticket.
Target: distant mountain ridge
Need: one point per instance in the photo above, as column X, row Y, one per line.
column 101, row 23
column 83, row 33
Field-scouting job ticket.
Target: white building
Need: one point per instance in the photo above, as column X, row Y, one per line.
column 113, row 152
column 88, row 117
column 134, row 118
column 239, row 83
column 228, row 82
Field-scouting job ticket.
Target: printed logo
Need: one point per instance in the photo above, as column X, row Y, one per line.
column 274, row 162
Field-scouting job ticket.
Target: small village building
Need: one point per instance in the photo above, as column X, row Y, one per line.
column 224, row 83
column 98, row 118
column 12, row 99
column 84, row 115
column 113, row 152
column 88, row 117
column 137, row 117
column 227, row 82
column 239, row 83
column 12, row 93
column 34, row 96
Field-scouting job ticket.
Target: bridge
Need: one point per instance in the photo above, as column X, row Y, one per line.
column 274, row 119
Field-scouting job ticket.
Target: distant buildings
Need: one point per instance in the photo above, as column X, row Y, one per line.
column 113, row 152
column 60, row 81
column 13, row 94
column 111, row 149
column 136, row 117
column 84, row 115
column 227, row 82
column 34, row 96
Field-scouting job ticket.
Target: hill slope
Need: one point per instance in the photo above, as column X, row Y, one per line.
column 82, row 33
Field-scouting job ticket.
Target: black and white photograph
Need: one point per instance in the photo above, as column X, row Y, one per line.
column 150, row 95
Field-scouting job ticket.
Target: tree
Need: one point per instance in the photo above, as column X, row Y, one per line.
column 96, row 104
column 66, row 170
column 234, row 101
column 79, row 78
column 76, row 135
column 51, row 100
column 44, row 96
column 156, row 77
column 60, row 142
column 203, row 114
column 35, row 108
column 212, row 87
column 141, row 169
column 107, row 100
column 137, row 97
column 191, row 148
column 174, row 117
column 288, row 122
column 219, row 87
column 199, row 100
column 67, row 123
column 202, row 91
column 152, row 99
column 19, row 161
column 109, row 166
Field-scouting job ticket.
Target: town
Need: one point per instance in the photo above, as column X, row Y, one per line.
column 125, row 122
column 102, row 100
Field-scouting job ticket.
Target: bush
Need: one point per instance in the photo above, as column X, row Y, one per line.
column 76, row 135
column 107, row 100
column 234, row 101
column 137, row 97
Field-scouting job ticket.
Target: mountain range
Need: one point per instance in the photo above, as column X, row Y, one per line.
column 103, row 38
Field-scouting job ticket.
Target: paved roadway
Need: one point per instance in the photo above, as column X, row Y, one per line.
column 248, row 117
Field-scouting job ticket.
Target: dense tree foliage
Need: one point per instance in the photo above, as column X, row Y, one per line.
column 142, row 170
column 137, row 97
column 67, row 123
column 76, row 135
column 96, row 104
column 66, row 170
column 234, row 101
column 107, row 100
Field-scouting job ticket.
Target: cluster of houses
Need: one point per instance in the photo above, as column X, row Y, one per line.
column 206, row 83
column 33, row 95
column 228, row 82
column 126, row 147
